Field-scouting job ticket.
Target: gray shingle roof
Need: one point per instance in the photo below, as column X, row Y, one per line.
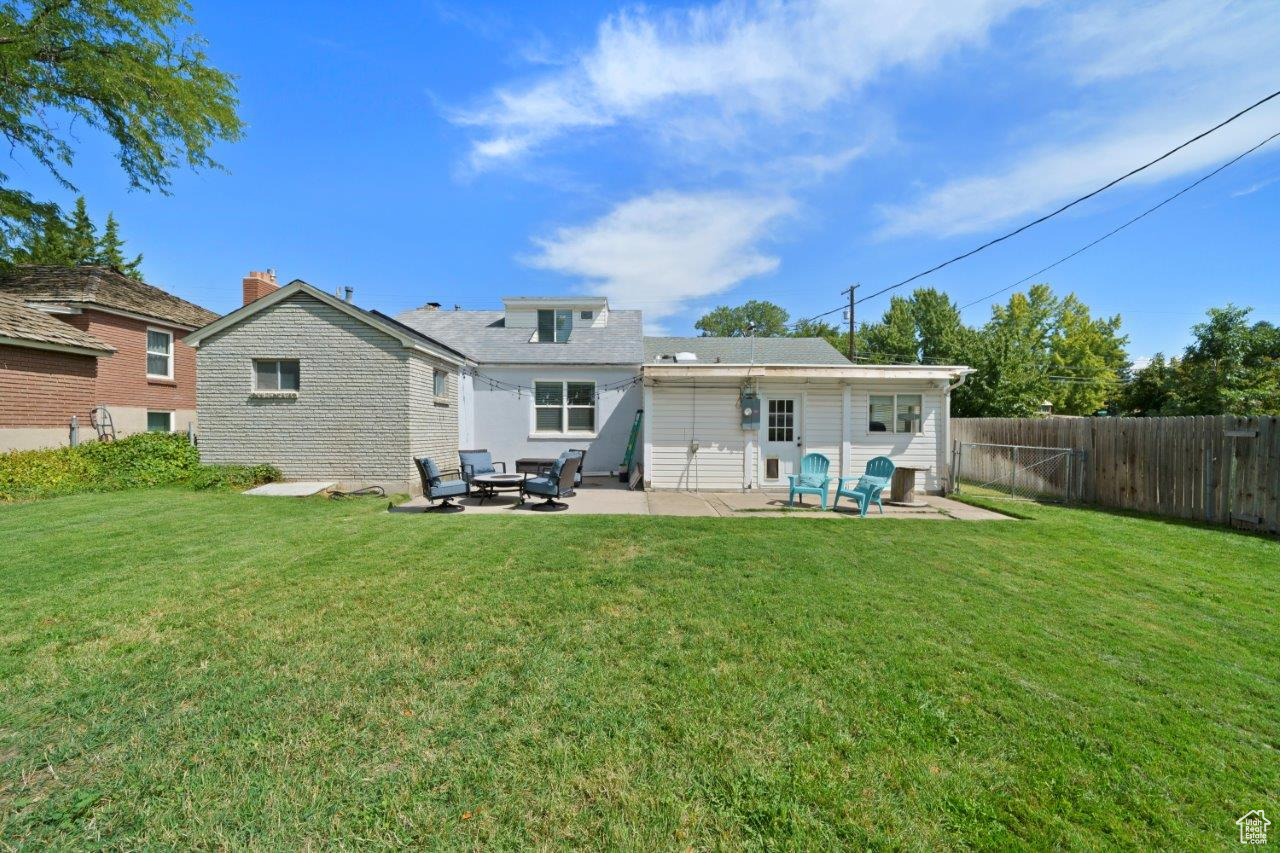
column 101, row 286
column 484, row 338
column 23, row 323
column 745, row 351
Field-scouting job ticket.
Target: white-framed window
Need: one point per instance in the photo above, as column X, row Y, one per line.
column 554, row 326
column 159, row 354
column 159, row 421
column 276, row 374
column 901, row 413
column 439, row 383
column 586, row 315
column 564, row 406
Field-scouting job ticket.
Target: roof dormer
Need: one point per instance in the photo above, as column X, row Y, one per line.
column 553, row 319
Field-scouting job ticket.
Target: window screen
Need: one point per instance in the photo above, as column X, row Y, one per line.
column 440, row 383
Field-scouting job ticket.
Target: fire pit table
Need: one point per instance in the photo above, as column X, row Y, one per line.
column 488, row 485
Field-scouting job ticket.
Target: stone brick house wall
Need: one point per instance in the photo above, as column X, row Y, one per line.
column 363, row 408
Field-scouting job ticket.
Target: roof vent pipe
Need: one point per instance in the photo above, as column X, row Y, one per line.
column 346, row 293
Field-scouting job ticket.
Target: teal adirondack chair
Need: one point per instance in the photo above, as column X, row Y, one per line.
column 812, row 479
column 868, row 487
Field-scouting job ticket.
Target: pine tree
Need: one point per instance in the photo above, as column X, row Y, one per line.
column 111, row 250
column 84, row 236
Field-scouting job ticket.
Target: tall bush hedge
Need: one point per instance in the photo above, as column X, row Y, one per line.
column 146, row 459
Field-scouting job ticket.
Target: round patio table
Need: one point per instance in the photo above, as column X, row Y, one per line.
column 490, row 484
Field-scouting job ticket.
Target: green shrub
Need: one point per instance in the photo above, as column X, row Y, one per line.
column 146, row 459
column 237, row 477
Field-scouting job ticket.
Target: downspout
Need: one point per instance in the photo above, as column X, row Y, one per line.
column 947, row 455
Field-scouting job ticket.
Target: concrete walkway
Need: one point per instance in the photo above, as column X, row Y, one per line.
column 604, row 496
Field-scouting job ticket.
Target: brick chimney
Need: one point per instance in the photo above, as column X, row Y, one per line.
column 259, row 284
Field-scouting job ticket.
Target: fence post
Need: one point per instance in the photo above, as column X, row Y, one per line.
column 1013, row 481
column 74, row 435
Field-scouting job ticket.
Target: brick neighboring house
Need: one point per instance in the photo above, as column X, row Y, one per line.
column 72, row 338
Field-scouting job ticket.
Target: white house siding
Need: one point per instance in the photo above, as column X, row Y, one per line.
column 503, row 421
column 350, row 421
column 923, row 450
column 433, row 421
column 708, row 415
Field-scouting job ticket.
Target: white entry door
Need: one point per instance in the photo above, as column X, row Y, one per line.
column 781, row 445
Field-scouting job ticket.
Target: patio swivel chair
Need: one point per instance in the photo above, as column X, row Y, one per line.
column 555, row 483
column 436, row 488
column 477, row 463
column 812, row 479
column 869, row 486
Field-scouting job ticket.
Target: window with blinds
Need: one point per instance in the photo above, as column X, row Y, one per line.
column 898, row 413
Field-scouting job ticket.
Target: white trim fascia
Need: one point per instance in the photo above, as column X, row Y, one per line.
column 887, row 372
column 555, row 365
column 276, row 296
column 52, row 347
column 556, row 301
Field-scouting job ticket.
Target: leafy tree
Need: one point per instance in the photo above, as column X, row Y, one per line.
column 130, row 68
column 1150, row 389
column 1231, row 367
column 1087, row 358
column 763, row 319
column 822, row 329
column 925, row 327
column 894, row 338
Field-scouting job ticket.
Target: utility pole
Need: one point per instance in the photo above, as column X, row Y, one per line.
column 853, row 349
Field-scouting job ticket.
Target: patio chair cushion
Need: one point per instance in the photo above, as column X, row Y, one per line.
column 475, row 462
column 448, row 488
column 543, row 485
column 554, row 474
column 430, row 470
column 811, row 481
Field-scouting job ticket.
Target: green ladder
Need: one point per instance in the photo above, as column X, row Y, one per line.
column 629, row 458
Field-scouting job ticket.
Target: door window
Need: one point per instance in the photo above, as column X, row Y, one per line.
column 782, row 420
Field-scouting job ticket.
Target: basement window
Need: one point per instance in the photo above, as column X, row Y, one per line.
column 275, row 375
column 159, row 421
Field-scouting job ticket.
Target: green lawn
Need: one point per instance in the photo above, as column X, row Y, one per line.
column 181, row 668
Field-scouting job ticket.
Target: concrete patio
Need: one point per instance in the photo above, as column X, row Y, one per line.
column 606, row 496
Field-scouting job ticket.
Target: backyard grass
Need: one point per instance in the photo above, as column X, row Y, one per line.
column 192, row 669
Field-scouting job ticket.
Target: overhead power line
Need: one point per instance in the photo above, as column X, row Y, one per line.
column 1120, row 228
column 1059, row 210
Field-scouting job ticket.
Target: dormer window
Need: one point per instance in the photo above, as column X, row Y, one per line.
column 554, row 326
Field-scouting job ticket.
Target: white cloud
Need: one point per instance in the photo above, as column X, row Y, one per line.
column 687, row 73
column 660, row 251
column 1152, row 76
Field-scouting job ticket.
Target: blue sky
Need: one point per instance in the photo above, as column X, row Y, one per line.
column 675, row 157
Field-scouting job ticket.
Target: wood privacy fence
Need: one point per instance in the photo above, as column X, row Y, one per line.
column 1221, row 469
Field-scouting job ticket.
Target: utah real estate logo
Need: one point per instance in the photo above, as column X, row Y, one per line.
column 1253, row 827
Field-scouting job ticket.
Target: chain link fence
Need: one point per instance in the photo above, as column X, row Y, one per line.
column 1019, row 471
